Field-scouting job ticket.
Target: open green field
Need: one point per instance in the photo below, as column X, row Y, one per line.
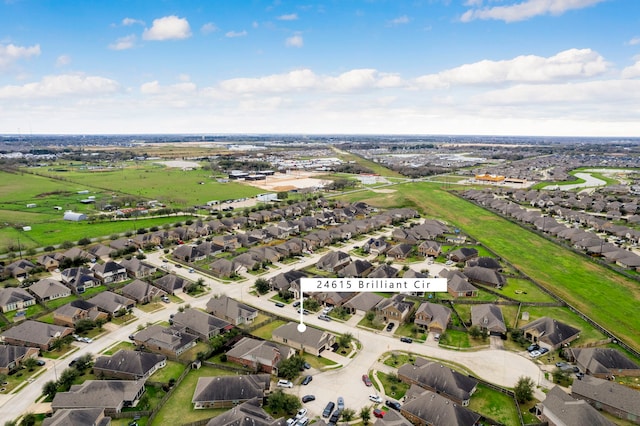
column 607, row 297
column 494, row 405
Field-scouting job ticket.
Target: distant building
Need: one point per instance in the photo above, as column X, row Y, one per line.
column 74, row 217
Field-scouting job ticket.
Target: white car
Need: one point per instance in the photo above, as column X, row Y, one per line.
column 285, row 383
column 375, row 398
column 535, row 354
column 301, row 413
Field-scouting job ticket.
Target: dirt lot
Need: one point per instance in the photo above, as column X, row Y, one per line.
column 297, row 179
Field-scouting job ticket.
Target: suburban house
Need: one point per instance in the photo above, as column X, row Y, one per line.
column 393, row 418
column 560, row 409
column 78, row 417
column 13, row 298
column 363, row 302
column 100, row 251
column 429, row 248
column 462, row 254
column 603, row 362
column 259, row 355
column 231, row 310
column 283, row 281
column 400, row 251
column 202, row 324
column 170, row 283
column 137, row 268
column 333, row 261
column 188, row 253
column 486, row 276
column 383, row 271
column 111, row 395
column 79, row 279
column 109, row 272
column 34, row 333
column 49, row 289
column 77, row 253
column 313, row 341
column 248, row 413
column 427, row 408
column 112, row 303
column 432, row 317
column 440, row 379
column 68, row 315
column 142, row 291
column 485, row 262
column 488, row 317
column 375, row 246
column 609, row 396
column 50, row 262
column 128, row 365
column 11, row 357
column 457, row 284
column 228, row 391
column 223, row 268
column 20, row 268
column 165, row 340
column 394, row 308
column 356, row 269
column 550, row 333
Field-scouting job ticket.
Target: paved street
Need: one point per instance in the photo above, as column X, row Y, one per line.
column 496, row 366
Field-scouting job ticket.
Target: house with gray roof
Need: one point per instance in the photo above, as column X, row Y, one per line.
column 394, row 308
column 142, row 291
column 432, row 317
column 34, row 333
column 171, row 283
column 603, row 362
column 283, row 280
column 111, row 395
column 485, row 262
column 69, row 314
column 100, row 250
column 231, row 310
column 488, row 317
column 430, row 248
column 400, row 251
column 19, row 269
column 223, row 268
column 78, row 417
column 109, row 272
column 619, row 400
column 11, row 357
column 259, row 355
column 561, row 409
column 249, row 413
column 333, row 261
column 128, row 365
column 49, row 289
column 486, row 276
column 228, row 391
column 137, row 268
column 550, row 333
column 363, row 302
column 391, row 418
column 383, row 271
column 14, row 298
column 112, row 303
column 200, row 323
column 427, row 408
column 170, row 341
column 357, row 269
column 462, row 254
column 313, row 341
column 438, row 378
column 79, row 279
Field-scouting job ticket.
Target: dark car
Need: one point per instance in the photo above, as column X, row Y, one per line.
column 73, row 362
column 296, row 304
column 366, row 380
column 406, row 339
column 308, row 398
column 390, row 326
column 306, row 365
column 533, row 347
column 543, row 351
column 328, row 409
column 280, row 305
column 393, row 404
column 307, row 380
column 40, row 362
column 335, row 417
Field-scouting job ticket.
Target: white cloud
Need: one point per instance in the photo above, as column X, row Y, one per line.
column 294, row 41
column 155, row 88
column 209, row 28
column 233, row 34
column 400, row 20
column 633, row 71
column 168, row 28
column 526, row 9
column 10, row 53
column 568, row 64
column 61, row 85
column 289, row 17
column 634, row 41
column 131, row 21
column 63, row 60
column 124, row 43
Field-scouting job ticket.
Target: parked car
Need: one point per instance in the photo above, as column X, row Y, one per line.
column 406, row 339
column 533, row 347
column 375, row 398
column 328, row 409
column 393, row 404
column 323, row 317
column 561, row 364
column 534, row 354
column 40, row 362
column 340, row 403
column 285, row 383
column 301, row 413
column 296, row 304
column 165, row 299
column 390, row 326
column 366, row 380
column 280, row 305
column 378, row 413
column 543, row 351
column 308, row 398
column 306, row 366
column 335, row 417
column 307, row 380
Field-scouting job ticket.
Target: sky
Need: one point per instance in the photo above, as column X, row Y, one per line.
column 458, row 67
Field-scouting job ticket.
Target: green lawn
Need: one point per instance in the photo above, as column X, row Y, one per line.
column 172, row 370
column 266, row 330
column 455, row 339
column 524, row 290
column 393, row 388
column 54, row 304
column 495, row 405
column 588, row 286
column 120, row 345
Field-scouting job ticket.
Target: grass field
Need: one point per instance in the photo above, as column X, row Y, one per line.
column 495, row 405
column 607, row 297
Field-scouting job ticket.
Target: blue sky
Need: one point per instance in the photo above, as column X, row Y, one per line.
column 495, row 67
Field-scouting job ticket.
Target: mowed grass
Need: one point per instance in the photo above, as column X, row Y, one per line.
column 604, row 295
column 495, row 405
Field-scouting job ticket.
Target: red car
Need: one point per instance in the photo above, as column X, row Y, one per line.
column 378, row 413
column 366, row 380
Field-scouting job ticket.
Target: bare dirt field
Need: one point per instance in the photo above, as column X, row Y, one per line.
column 288, row 181
column 181, row 164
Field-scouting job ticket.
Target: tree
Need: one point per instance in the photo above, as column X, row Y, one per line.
column 66, row 245
column 311, row 304
column 84, row 325
column 290, row 368
column 67, row 377
column 280, row 401
column 84, row 241
column 345, row 340
column 475, row 332
column 83, row 362
column 365, row 414
column 348, row 414
column 262, row 285
column 30, row 363
column 50, row 389
column 28, row 419
column 524, row 389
